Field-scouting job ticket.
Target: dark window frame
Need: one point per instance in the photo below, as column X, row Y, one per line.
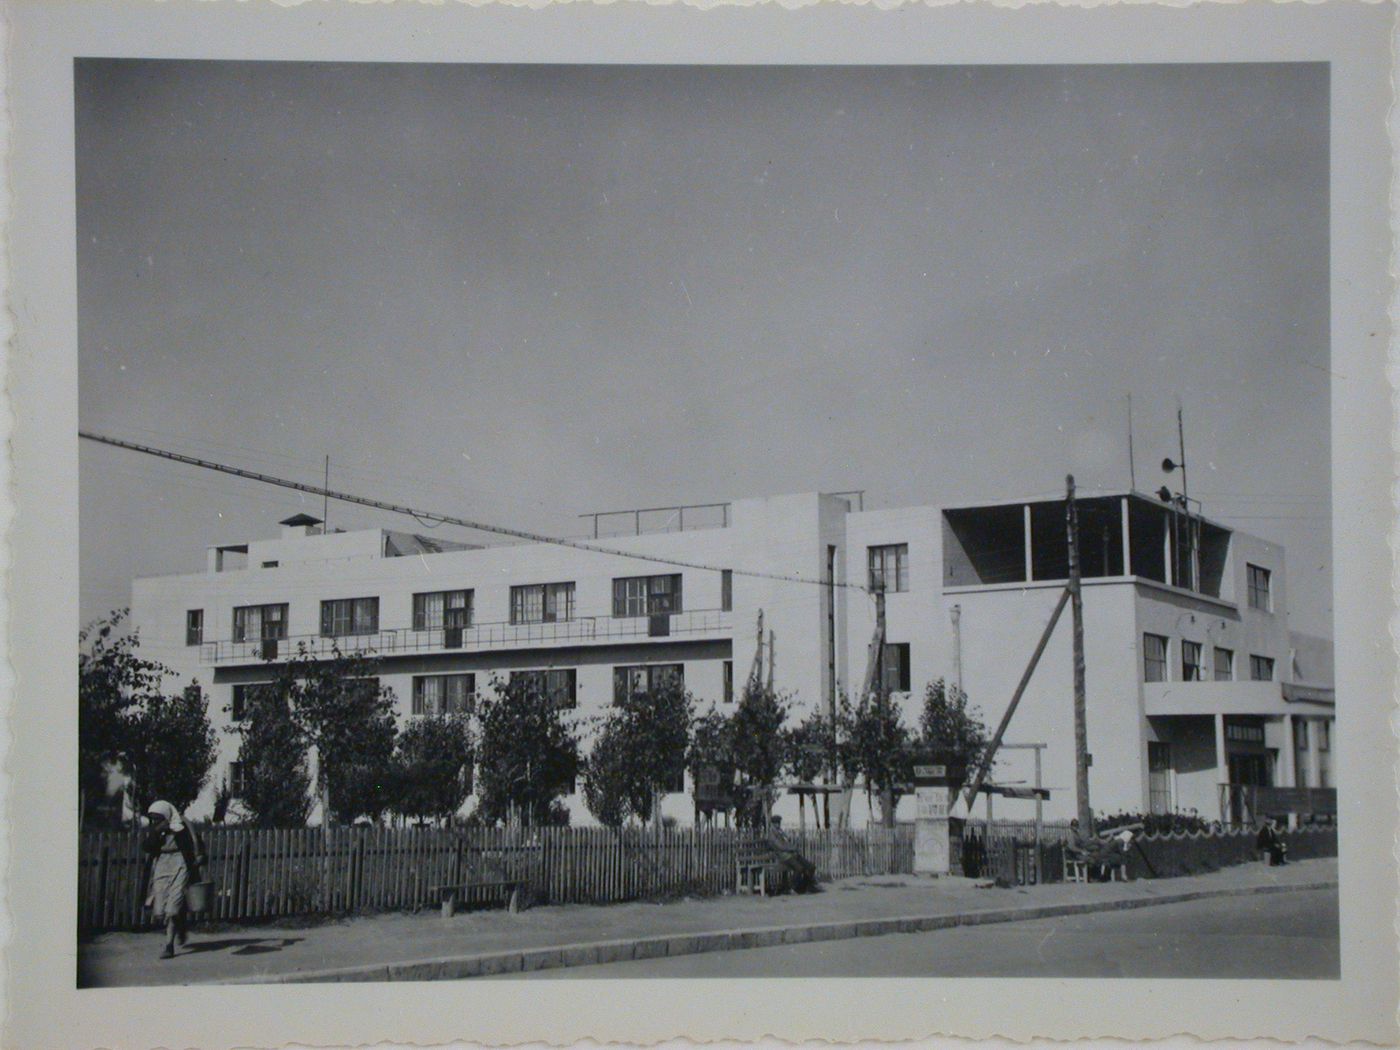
column 240, row 622
column 653, row 677
column 466, row 609
column 1258, row 663
column 194, row 626
column 1192, row 671
column 353, row 620
column 443, row 703
column 1260, row 583
column 555, row 683
column 726, row 590
column 877, row 562
column 550, row 595
column 661, row 594
column 1229, row 654
column 896, row 657
column 728, row 682
column 1151, row 661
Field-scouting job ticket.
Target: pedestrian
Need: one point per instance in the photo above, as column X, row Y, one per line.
column 1270, row 842
column 176, row 857
column 799, row 873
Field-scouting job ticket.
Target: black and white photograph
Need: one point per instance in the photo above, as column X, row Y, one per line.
column 601, row 520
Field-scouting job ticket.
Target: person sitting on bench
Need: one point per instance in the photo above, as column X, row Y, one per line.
column 799, row 873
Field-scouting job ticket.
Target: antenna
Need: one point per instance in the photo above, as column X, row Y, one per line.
column 1132, row 472
column 326, row 499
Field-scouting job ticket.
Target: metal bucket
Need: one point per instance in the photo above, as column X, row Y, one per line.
column 199, row 896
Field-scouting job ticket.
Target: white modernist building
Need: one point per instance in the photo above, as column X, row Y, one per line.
column 1194, row 678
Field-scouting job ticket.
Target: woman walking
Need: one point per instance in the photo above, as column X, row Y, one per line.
column 177, row 858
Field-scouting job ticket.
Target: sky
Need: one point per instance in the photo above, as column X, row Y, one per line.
column 521, row 293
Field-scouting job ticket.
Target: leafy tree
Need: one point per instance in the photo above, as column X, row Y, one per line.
column 881, row 750
column 757, row 742
column 348, row 717
column 528, row 754
column 169, row 749
column 432, row 772
column 276, row 788
column 640, row 750
column 112, row 680
column 947, row 723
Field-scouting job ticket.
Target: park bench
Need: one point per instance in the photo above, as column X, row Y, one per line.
column 450, row 895
column 755, row 870
column 1077, row 868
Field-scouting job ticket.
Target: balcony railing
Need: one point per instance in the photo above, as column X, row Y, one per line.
column 405, row 641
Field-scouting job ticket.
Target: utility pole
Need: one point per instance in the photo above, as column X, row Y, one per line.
column 883, row 699
column 326, row 499
column 1076, row 602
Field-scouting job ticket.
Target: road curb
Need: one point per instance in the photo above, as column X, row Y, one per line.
column 591, row 953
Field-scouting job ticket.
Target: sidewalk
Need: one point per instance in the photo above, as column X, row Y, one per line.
column 427, row 947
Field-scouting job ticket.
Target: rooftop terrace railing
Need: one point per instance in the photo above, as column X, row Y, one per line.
column 406, row 641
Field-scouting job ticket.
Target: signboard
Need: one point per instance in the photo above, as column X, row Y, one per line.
column 931, row 803
column 930, row 772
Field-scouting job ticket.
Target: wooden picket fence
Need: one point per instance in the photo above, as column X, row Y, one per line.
column 263, row 874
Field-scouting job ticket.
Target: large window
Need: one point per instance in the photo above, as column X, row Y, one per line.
column 1261, row 668
column 252, row 623
column 647, row 595
column 889, row 567
column 542, row 603
column 242, row 697
column 896, row 667
column 194, row 626
column 1260, row 581
column 349, row 616
column 560, row 685
column 1191, row 669
column 439, row 609
column 237, row 780
column 1154, row 658
column 444, row 694
column 644, row 679
column 1224, row 665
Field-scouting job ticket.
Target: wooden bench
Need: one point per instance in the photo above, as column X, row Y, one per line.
column 754, row 870
column 1077, row 869
column 449, row 896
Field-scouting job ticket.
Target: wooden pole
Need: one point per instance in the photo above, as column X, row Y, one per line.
column 883, row 700
column 1081, row 736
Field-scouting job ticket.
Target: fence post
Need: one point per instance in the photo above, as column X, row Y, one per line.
column 102, row 869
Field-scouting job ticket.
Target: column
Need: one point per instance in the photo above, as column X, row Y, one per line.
column 1314, row 755
column 1127, row 545
column 1167, row 563
column 1289, row 770
column 1030, row 565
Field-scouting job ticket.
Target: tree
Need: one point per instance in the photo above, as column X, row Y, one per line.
column 528, row 754
column 112, row 680
column 640, row 752
column 432, row 770
column 276, row 788
column 348, row 717
column 169, row 748
column 710, row 759
column 947, row 723
column 757, row 742
column 881, row 750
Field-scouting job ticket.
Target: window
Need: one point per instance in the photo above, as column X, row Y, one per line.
column 1224, row 665
column 644, row 679
column 194, row 627
column 647, row 595
column 1154, row 658
column 1300, row 734
column 729, row 681
column 561, row 686
column 242, row 694
column 269, row 565
column 349, row 616
column 1259, row 581
column 237, row 780
column 1324, row 736
column 889, row 567
column 439, row 609
column 253, row 623
column 1261, row 668
column 1191, row 670
column 726, row 590
column 896, row 667
column 542, row 603
column 444, row 694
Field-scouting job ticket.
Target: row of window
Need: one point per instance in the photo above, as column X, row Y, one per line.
column 456, row 693
column 1193, row 668
column 446, row 610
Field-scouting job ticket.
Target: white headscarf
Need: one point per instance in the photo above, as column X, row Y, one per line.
column 169, row 812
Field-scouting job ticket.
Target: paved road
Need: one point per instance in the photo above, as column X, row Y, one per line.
column 1281, row 935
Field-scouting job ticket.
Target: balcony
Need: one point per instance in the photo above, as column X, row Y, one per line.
column 695, row 624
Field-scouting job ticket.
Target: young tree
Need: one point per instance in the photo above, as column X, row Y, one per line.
column 272, row 754
column 710, row 760
column 169, row 749
column 348, row 717
column 112, row 680
column 757, row 741
column 881, row 750
column 433, row 766
column 947, row 723
column 640, row 751
column 528, row 754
